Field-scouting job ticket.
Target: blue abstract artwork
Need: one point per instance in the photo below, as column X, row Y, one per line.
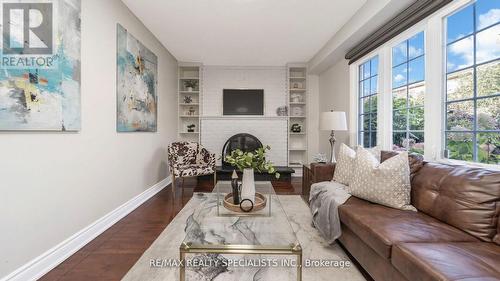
column 137, row 69
column 40, row 65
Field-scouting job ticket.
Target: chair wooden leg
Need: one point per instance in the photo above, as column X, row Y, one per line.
column 173, row 186
column 182, row 190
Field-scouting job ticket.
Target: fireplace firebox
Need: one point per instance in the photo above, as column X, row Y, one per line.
column 244, row 142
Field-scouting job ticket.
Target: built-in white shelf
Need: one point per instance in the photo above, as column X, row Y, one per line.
column 297, row 99
column 186, row 72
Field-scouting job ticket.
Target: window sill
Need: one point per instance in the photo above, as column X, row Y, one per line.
column 473, row 164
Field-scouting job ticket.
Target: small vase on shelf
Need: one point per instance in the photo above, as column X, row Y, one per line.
column 248, row 185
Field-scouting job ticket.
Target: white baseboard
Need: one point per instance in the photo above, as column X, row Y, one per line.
column 42, row 264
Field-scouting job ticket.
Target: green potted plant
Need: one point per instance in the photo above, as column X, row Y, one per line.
column 190, row 85
column 248, row 162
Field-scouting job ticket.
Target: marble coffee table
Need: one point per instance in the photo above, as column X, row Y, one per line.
column 222, row 239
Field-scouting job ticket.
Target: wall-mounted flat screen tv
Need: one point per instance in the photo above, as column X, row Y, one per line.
column 243, row 102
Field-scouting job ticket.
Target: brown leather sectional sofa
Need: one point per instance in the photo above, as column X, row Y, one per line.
column 455, row 235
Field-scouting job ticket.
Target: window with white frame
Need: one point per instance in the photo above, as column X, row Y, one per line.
column 408, row 90
column 367, row 102
column 447, row 64
column 472, row 121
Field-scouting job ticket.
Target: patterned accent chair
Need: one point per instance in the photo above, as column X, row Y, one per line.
column 190, row 159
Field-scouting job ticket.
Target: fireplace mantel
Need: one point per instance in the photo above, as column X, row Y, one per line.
column 237, row 117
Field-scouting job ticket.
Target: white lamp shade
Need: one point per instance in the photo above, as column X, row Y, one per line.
column 333, row 120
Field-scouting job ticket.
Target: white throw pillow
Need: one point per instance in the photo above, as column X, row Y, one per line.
column 375, row 151
column 343, row 167
column 386, row 183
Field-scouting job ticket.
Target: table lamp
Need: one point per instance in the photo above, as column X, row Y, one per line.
column 332, row 121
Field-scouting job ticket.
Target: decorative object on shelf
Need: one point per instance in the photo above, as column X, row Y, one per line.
column 296, row 97
column 320, row 158
column 235, row 186
column 248, row 162
column 45, row 97
column 297, row 85
column 191, row 111
column 296, row 128
column 297, row 111
column 282, row 111
column 137, row 72
column 190, row 128
column 332, row 121
column 190, row 85
column 188, row 99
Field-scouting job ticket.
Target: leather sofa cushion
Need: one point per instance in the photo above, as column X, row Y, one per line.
column 496, row 239
column 447, row 261
column 381, row 227
column 353, row 200
column 463, row 196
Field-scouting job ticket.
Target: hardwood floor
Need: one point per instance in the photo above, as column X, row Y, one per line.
column 111, row 255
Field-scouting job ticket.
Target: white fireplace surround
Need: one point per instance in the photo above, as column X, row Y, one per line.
column 272, row 131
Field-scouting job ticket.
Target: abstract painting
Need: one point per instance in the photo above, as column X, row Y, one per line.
column 40, row 65
column 137, row 69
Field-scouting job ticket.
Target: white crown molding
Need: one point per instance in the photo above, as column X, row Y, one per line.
column 42, row 264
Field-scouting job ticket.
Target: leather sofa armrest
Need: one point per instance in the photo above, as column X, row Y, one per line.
column 322, row 172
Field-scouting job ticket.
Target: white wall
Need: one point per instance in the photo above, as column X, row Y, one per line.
column 334, row 94
column 54, row 184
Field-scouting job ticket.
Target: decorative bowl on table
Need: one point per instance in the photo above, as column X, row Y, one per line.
column 259, row 204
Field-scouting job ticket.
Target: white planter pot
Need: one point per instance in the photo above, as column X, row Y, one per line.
column 248, row 185
column 190, row 89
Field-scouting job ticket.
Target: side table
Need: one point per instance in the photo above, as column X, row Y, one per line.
column 315, row 172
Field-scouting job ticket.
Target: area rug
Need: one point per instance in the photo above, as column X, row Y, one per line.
column 326, row 262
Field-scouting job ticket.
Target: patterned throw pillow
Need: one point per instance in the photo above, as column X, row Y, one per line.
column 386, row 183
column 375, row 151
column 343, row 167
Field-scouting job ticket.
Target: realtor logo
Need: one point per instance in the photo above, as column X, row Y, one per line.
column 27, row 28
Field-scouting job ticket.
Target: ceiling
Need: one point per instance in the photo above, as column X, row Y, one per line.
column 244, row 32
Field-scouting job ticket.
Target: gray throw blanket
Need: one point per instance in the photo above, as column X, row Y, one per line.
column 324, row 200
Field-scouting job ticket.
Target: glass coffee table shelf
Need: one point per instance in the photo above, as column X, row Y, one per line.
column 214, row 236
